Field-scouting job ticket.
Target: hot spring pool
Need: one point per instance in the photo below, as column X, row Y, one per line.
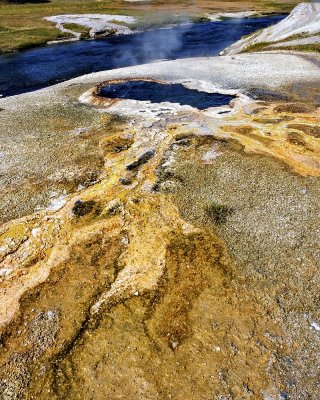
column 40, row 67
column 156, row 92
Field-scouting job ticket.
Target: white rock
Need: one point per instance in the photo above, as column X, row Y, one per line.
column 304, row 19
column 58, row 203
column 315, row 326
column 96, row 22
column 233, row 15
column 211, row 154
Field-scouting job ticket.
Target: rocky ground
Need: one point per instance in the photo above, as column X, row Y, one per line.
column 155, row 251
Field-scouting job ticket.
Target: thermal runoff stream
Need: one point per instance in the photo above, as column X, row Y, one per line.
column 44, row 66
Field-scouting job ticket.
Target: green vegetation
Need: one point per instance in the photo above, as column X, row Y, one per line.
column 28, row 37
column 280, row 6
column 313, row 47
column 83, row 30
column 299, row 36
column 260, row 46
column 199, row 19
column 264, row 46
column 256, row 47
column 218, row 212
column 22, row 25
column 24, row 1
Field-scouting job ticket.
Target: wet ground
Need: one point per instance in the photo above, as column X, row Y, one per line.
column 199, row 242
column 182, row 261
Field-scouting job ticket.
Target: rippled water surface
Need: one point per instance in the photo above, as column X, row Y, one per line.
column 40, row 67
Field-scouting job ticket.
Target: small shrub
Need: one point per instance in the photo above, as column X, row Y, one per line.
column 82, row 208
column 218, row 212
column 255, row 47
column 83, row 30
column 200, row 19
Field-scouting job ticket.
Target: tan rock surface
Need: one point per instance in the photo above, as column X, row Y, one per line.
column 196, row 279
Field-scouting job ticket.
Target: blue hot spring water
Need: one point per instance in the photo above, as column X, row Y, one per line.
column 159, row 92
column 40, row 67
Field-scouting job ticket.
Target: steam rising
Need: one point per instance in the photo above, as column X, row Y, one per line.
column 156, row 45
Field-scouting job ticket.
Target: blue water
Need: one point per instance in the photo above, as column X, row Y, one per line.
column 44, row 66
column 158, row 92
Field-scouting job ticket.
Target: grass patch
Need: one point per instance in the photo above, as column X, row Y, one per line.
column 280, row 6
column 26, row 38
column 260, row 46
column 25, row 27
column 83, row 30
column 256, row 47
column 298, row 36
column 312, row 47
column 22, row 25
column 200, row 19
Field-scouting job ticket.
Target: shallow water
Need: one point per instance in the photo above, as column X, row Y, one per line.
column 157, row 93
column 41, row 67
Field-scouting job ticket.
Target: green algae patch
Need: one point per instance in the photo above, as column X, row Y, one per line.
column 15, row 232
column 311, row 130
column 295, row 108
column 115, row 144
column 296, row 138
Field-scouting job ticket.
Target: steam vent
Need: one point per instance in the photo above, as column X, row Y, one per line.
column 159, row 200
